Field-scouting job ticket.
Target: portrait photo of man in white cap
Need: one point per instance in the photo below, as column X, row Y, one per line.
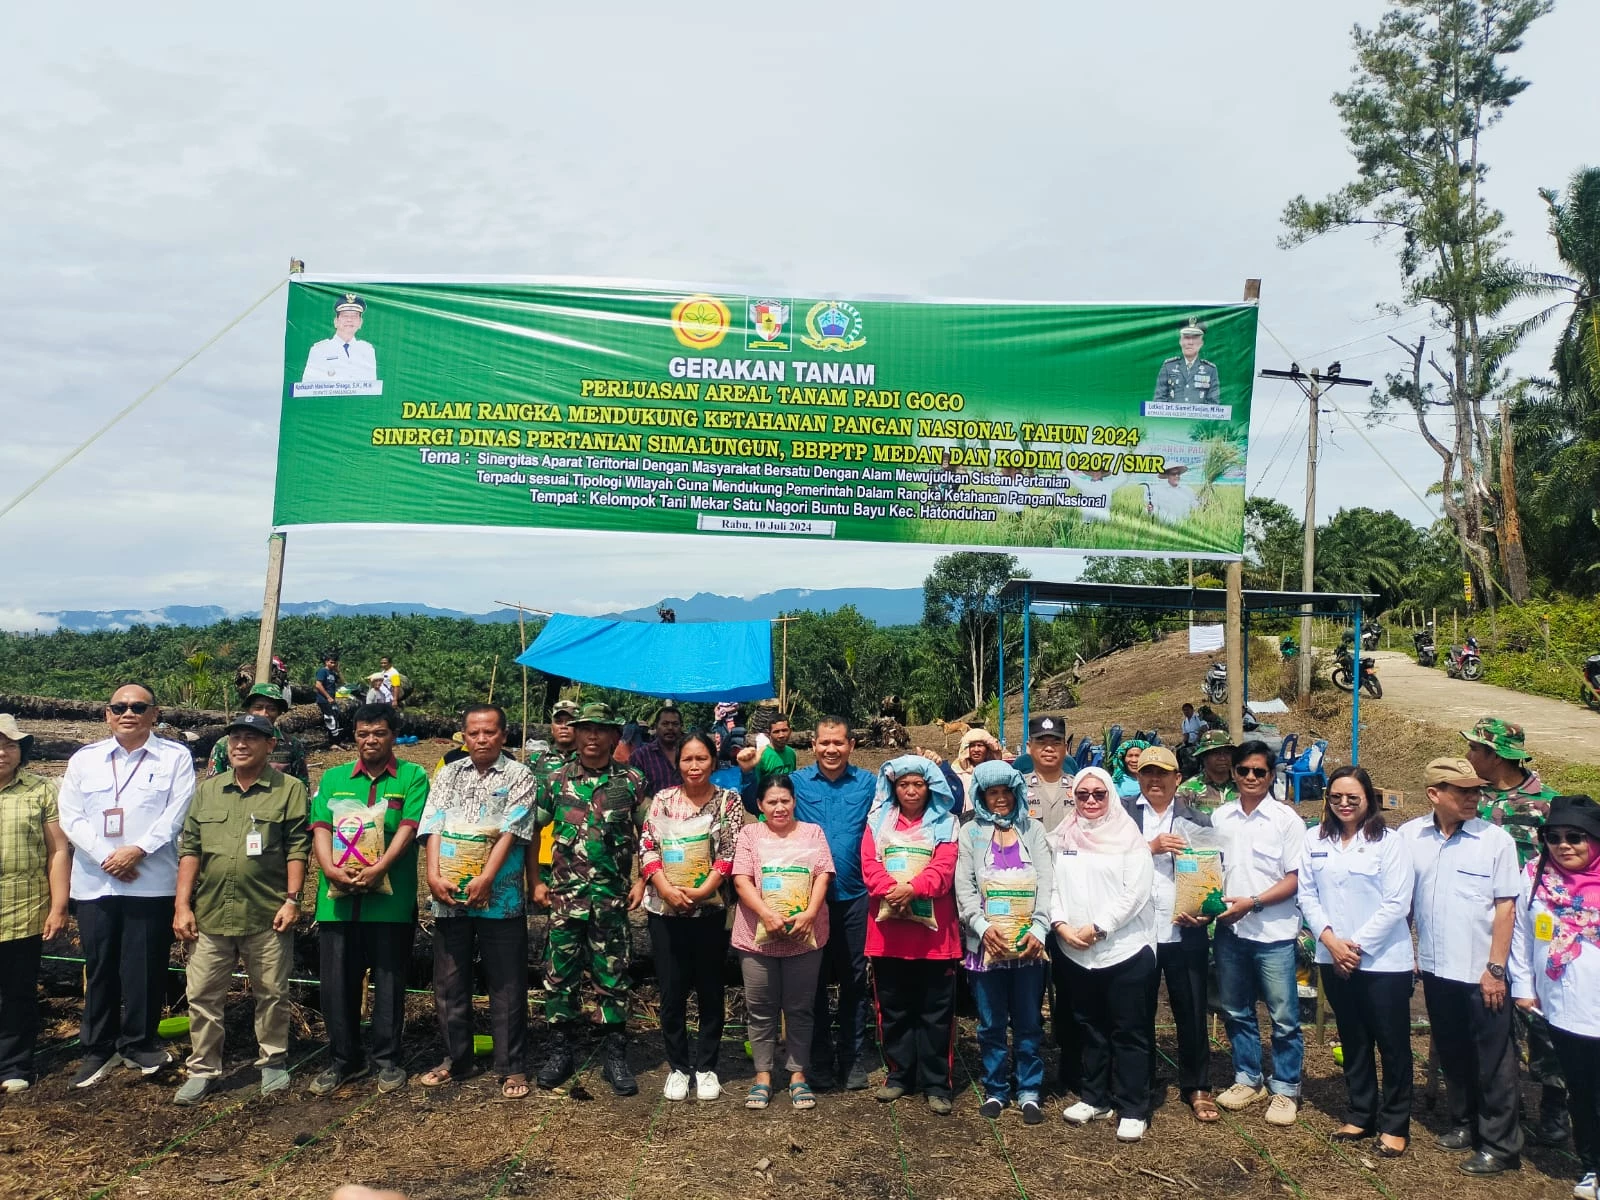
column 1186, row 378
column 343, row 357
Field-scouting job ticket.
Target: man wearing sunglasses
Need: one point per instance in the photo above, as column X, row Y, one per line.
column 123, row 801
column 1262, row 841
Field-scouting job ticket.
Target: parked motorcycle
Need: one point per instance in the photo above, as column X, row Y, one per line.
column 1464, row 662
column 1591, row 681
column 1427, row 652
column 1370, row 635
column 1215, row 684
column 1344, row 671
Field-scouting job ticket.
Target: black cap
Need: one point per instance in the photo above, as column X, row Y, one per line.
column 255, row 723
column 1046, row 727
column 350, row 302
column 1575, row 812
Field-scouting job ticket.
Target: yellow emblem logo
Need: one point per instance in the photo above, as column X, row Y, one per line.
column 700, row 322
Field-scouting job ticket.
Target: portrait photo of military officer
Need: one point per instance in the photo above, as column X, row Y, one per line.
column 1187, row 378
column 344, row 357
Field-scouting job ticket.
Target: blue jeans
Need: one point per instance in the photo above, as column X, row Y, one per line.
column 1013, row 995
column 1250, row 971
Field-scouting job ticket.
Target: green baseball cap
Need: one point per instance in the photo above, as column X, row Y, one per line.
column 1211, row 739
column 271, row 693
column 596, row 713
column 1503, row 737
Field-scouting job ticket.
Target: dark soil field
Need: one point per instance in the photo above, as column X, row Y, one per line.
column 464, row 1142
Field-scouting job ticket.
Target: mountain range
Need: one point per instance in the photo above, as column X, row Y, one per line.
column 883, row 606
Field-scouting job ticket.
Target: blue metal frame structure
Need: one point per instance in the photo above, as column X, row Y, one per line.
column 1020, row 595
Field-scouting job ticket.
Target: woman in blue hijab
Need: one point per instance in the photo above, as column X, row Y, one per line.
column 1003, row 877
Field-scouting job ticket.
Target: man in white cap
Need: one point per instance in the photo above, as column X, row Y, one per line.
column 343, row 356
column 1187, row 378
column 1463, row 908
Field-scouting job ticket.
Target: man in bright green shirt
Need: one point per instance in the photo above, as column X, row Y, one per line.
column 241, row 866
column 367, row 918
column 778, row 758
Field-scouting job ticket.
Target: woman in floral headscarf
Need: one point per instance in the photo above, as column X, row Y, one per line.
column 1125, row 767
column 908, row 860
column 1003, row 883
column 1555, row 962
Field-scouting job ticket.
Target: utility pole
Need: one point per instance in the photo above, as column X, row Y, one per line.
column 1313, row 385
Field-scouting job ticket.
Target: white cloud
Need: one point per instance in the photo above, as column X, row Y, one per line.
column 20, row 620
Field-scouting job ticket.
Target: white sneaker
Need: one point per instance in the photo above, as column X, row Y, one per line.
column 706, row 1085
column 676, row 1087
column 1130, row 1130
column 1081, row 1114
column 1588, row 1187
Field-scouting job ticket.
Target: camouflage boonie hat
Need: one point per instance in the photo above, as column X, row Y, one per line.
column 1213, row 739
column 269, row 692
column 596, row 713
column 1503, row 737
column 570, row 707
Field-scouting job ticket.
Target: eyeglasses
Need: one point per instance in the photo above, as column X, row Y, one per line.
column 1252, row 772
column 1353, row 798
column 1101, row 794
column 137, row 707
column 1572, row 837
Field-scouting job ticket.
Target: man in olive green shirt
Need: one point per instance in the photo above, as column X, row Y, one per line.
column 241, row 865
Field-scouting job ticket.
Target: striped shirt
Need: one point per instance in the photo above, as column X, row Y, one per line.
column 27, row 804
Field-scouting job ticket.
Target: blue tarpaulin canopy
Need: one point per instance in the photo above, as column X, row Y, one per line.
column 710, row 660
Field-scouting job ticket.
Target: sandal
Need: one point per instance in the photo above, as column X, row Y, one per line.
column 760, row 1096
column 437, row 1077
column 1204, row 1107
column 514, row 1087
column 801, row 1096
column 1385, row 1150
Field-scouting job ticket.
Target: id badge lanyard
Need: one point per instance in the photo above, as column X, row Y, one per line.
column 112, row 818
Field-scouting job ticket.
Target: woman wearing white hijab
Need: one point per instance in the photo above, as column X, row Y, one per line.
column 1103, row 918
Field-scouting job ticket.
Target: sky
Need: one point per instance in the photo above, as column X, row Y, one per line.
column 159, row 165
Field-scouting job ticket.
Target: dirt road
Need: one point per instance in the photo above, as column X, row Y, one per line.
column 1553, row 727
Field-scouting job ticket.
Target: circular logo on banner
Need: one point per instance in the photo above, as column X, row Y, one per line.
column 700, row 322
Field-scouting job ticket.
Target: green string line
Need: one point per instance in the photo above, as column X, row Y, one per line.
column 994, row 1126
column 1372, row 1177
column 899, row 1142
column 649, row 1135
column 522, row 1150
column 160, row 1154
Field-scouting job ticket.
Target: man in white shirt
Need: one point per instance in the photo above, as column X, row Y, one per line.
column 123, row 801
column 1467, row 883
column 1193, row 725
column 1098, row 486
column 343, row 356
column 1262, row 843
column 1182, row 948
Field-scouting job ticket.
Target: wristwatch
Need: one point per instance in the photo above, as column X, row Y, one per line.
column 1255, row 904
column 1099, row 934
column 1496, row 969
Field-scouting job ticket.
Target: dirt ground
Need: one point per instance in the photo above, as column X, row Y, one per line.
column 464, row 1142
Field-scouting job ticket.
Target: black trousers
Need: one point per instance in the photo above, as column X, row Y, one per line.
column 690, row 954
column 844, row 962
column 1579, row 1057
column 1068, row 1034
column 1478, row 1057
column 19, row 1005
column 1183, row 965
column 348, row 950
column 502, row 944
column 127, row 944
column 1116, row 1019
column 917, row 1021
column 1373, row 1012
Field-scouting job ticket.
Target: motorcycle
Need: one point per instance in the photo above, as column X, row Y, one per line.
column 1370, row 635
column 1366, row 676
column 1427, row 652
column 1590, row 690
column 1464, row 662
column 1215, row 684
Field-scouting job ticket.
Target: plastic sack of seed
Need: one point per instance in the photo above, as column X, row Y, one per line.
column 905, row 856
column 1009, row 898
column 685, row 847
column 358, row 842
column 1197, row 874
column 463, row 855
column 785, row 883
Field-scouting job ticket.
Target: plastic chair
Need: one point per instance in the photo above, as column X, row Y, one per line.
column 1113, row 739
column 1307, row 779
column 1290, row 747
column 1097, row 756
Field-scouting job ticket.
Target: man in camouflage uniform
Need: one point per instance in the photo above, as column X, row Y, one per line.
column 563, row 735
column 593, row 807
column 1213, row 787
column 288, row 752
column 1518, row 800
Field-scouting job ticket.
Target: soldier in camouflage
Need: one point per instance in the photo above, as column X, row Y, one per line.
column 1214, row 786
column 592, row 806
column 1518, row 800
column 288, row 752
column 565, row 736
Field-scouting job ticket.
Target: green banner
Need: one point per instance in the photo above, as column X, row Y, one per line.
column 581, row 406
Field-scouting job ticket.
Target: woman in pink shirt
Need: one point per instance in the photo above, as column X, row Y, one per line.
column 908, row 861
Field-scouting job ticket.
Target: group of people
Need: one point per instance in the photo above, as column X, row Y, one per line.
column 849, row 896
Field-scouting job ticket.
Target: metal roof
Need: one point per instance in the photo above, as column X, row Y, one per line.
column 1138, row 595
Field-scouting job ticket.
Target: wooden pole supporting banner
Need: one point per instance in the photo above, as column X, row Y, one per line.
column 269, row 608
column 1235, row 650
